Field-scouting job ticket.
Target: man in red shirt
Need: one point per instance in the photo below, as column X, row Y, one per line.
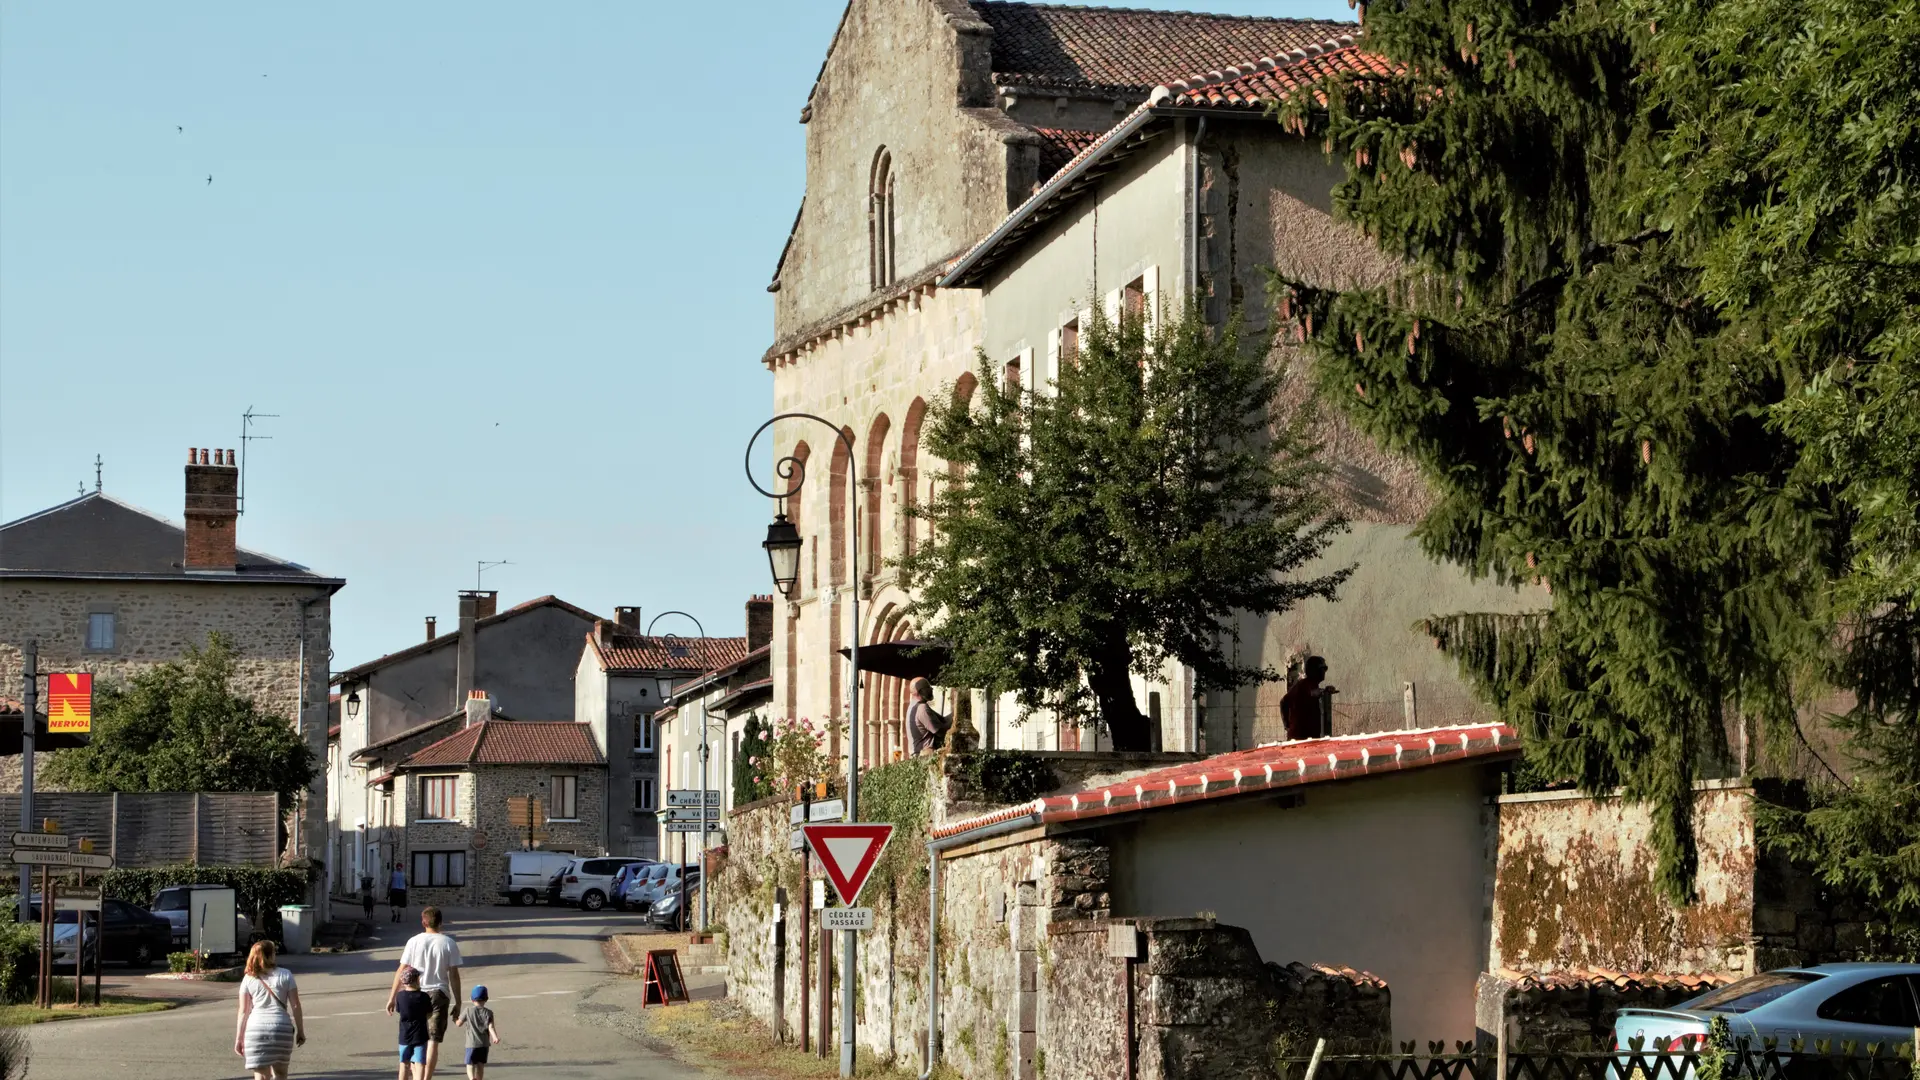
column 1300, row 708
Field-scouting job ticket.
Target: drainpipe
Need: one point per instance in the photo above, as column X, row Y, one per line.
column 934, row 848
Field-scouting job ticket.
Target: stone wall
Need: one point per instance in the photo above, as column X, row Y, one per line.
column 1573, row 887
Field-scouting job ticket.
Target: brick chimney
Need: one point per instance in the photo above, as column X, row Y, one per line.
column 213, row 511
column 486, row 603
column 759, row 621
column 603, row 633
column 627, row 618
column 479, row 707
column 431, row 632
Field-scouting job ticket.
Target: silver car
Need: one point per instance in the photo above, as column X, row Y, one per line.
column 1859, row 1004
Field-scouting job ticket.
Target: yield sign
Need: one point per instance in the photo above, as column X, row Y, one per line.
column 848, row 851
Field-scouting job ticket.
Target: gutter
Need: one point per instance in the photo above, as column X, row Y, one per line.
column 934, row 847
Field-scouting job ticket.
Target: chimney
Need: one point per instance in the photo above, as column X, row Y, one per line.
column 213, row 510
column 603, row 633
column 463, row 652
column 486, row 602
column 430, row 630
column 628, row 618
column 759, row 621
column 479, row 707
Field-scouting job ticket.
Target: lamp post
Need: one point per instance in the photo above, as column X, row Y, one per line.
column 703, row 781
column 783, row 558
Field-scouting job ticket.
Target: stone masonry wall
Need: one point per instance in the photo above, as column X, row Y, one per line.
column 481, row 827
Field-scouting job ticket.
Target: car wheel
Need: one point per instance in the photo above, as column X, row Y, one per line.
column 527, row 897
column 593, row 900
column 141, row 955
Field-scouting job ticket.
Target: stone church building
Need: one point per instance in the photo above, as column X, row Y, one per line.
column 978, row 173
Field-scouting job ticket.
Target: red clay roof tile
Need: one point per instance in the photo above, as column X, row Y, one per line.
column 1259, row 83
column 636, row 652
column 510, row 742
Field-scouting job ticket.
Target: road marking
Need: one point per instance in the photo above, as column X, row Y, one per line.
column 332, row 1016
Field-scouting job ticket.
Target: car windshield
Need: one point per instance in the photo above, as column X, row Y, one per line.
column 1751, row 993
column 171, row 900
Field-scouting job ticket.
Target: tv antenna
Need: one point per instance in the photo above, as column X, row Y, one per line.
column 246, row 436
column 97, row 466
column 481, row 566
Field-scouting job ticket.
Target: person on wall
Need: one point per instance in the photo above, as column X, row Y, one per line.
column 1300, row 708
column 927, row 729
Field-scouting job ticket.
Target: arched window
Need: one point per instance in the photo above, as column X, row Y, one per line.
column 880, row 261
column 874, row 504
column 801, row 451
column 910, row 474
column 837, row 513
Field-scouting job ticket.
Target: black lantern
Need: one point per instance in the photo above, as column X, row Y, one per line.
column 353, row 705
column 783, row 554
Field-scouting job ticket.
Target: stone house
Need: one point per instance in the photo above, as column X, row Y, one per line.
column 723, row 698
column 929, row 122
column 622, row 679
column 1200, row 185
column 451, row 809
column 105, row 587
column 524, row 657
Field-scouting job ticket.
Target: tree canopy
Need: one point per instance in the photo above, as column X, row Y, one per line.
column 1655, row 346
column 182, row 727
column 1119, row 518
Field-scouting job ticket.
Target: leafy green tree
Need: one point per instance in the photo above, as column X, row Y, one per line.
column 1654, row 345
column 1118, row 519
column 182, row 727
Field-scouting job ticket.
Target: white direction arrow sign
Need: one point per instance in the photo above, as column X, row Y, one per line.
column 46, row 841
column 849, row 852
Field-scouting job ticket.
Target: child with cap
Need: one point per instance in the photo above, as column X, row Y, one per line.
column 482, row 1033
column 413, row 1007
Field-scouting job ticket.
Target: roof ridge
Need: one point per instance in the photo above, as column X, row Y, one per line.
column 1232, row 72
column 1077, row 8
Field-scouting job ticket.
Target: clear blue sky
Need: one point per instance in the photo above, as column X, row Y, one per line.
column 499, row 269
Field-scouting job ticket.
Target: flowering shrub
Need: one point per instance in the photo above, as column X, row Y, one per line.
column 796, row 754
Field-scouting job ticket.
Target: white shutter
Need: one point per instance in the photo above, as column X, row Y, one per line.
column 1053, row 350
column 1112, row 306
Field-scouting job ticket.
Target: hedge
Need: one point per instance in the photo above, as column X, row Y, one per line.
column 19, row 961
column 259, row 890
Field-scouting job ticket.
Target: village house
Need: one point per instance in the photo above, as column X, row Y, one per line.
column 523, row 657
column 722, row 699
column 104, row 587
column 453, row 799
column 623, row 677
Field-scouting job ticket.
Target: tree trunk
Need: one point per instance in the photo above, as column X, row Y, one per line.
column 1112, row 683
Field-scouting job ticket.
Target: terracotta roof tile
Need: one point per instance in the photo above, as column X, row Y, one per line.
column 1584, row 979
column 1100, row 47
column 637, row 652
column 1266, row 768
column 1059, row 146
column 1271, row 79
column 510, row 742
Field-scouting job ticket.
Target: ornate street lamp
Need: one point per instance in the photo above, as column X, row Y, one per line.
column 783, row 556
column 353, row 705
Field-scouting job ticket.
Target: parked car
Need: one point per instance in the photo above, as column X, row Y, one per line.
column 643, row 892
column 174, row 904
column 134, row 936
column 1857, row 1003
column 530, row 874
column 667, row 913
column 588, row 882
column 625, row 882
column 66, row 932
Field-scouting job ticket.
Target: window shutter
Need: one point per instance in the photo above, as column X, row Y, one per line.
column 1113, row 307
column 1150, row 284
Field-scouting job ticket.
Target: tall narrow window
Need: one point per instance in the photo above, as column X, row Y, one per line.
column 439, row 797
column 1010, row 376
column 643, row 794
column 880, row 259
column 642, row 733
column 1070, row 343
column 566, row 799
column 100, row 631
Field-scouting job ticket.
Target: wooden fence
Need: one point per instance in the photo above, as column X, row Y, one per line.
column 160, row 828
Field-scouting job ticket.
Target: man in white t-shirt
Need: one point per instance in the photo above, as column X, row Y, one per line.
column 436, row 956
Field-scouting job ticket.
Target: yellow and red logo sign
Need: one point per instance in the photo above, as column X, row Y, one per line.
column 70, row 702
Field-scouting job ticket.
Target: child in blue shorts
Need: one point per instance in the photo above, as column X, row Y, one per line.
column 413, row 1008
column 482, row 1033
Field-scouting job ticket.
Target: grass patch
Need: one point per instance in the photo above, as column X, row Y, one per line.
column 64, row 1009
column 720, row 1035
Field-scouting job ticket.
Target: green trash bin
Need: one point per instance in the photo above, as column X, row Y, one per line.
column 296, row 928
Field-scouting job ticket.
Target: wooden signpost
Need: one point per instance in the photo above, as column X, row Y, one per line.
column 664, row 983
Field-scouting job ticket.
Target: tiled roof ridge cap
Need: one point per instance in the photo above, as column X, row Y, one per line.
column 1103, row 9
column 1253, row 67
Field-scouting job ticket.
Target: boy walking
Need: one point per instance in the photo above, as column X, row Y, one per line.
column 482, row 1034
column 414, row 1008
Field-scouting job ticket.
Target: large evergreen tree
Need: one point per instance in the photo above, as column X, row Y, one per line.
column 1117, row 519
column 183, row 727
column 1650, row 346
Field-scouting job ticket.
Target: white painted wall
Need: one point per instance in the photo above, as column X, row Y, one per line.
column 1387, row 874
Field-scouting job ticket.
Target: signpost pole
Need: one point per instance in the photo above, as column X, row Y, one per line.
column 80, row 947
column 30, row 707
column 806, row 924
column 46, row 937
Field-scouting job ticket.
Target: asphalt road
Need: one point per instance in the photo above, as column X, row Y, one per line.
column 562, row 1011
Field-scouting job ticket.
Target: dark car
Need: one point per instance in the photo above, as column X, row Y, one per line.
column 134, row 935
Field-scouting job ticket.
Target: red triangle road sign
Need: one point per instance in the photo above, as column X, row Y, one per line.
column 848, row 851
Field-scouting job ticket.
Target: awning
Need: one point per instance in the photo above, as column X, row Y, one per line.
column 904, row 659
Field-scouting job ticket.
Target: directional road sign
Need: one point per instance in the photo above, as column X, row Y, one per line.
column 849, row 852
column 692, row 813
column 824, row 810
column 694, row 826
column 691, row 797
column 846, row 918
column 76, row 898
column 35, row 857
column 46, row 841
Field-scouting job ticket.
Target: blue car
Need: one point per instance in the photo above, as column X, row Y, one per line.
column 628, row 877
column 1857, row 1004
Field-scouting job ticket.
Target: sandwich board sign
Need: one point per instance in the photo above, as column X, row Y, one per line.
column 849, row 851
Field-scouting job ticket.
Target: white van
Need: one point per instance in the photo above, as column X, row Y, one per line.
column 529, row 873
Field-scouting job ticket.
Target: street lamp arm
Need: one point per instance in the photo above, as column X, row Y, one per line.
column 794, row 469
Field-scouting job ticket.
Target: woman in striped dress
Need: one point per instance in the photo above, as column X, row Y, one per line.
column 270, row 1024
